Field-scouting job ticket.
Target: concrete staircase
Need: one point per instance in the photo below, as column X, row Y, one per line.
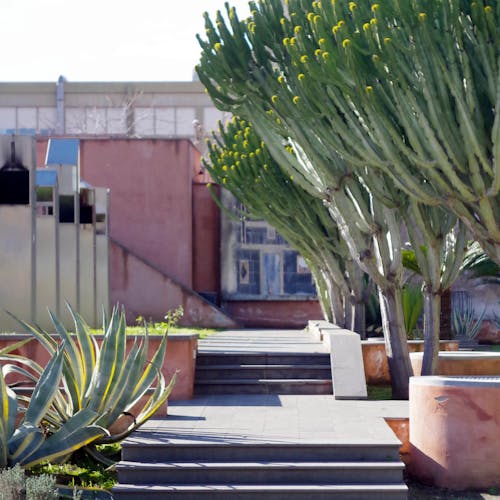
column 267, row 471
column 263, row 373
column 264, row 426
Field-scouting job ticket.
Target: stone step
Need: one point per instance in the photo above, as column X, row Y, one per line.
column 259, row 472
column 246, row 358
column 211, row 450
column 243, row 371
column 263, row 386
column 262, row 492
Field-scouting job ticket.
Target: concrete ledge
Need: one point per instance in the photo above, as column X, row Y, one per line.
column 348, row 372
column 455, row 431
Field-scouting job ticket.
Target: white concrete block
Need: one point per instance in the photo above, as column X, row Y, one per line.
column 348, row 372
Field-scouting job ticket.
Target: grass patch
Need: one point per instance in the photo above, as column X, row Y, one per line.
column 162, row 329
column 379, row 392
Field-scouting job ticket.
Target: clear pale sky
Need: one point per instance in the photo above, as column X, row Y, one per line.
column 103, row 40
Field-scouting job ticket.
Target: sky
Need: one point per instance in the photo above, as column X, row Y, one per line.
column 103, row 40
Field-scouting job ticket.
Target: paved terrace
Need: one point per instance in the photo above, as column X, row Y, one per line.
column 272, row 418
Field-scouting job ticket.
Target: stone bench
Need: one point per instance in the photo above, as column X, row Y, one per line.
column 455, row 431
column 461, row 363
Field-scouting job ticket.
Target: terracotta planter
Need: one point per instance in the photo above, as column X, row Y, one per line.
column 455, row 431
column 461, row 363
column 181, row 356
column 375, row 358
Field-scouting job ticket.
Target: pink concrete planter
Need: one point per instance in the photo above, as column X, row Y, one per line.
column 455, row 431
column 469, row 363
column 181, row 356
column 375, row 358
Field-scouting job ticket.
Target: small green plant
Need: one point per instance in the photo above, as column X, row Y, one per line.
column 464, row 324
column 14, row 485
column 413, row 305
column 41, row 487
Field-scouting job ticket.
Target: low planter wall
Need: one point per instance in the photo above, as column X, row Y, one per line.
column 375, row 358
column 469, row 363
column 455, row 431
column 181, row 356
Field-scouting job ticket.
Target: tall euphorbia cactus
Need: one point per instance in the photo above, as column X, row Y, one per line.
column 417, row 87
column 240, row 162
column 279, row 71
column 247, row 79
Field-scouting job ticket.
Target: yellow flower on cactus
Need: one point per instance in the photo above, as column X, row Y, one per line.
column 296, row 99
column 352, row 6
column 224, row 167
column 346, row 42
column 487, row 9
column 317, row 52
column 301, row 76
column 297, row 29
column 422, row 16
column 373, row 21
column 321, row 41
column 224, row 181
column 286, row 41
column 368, row 89
column 304, row 59
column 387, row 39
column 325, row 55
column 274, row 98
column 218, row 47
column 375, row 7
column 281, row 79
column 310, row 16
column 366, row 26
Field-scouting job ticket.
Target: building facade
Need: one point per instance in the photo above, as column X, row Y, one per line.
column 169, row 244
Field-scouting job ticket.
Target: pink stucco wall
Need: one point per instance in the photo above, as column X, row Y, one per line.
column 151, row 204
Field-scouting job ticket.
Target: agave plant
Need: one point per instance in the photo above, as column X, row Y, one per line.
column 31, row 442
column 465, row 325
column 103, row 379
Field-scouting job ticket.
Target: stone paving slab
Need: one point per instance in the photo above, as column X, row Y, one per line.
column 283, row 419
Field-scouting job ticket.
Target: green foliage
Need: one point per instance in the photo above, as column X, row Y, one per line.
column 464, row 323
column 35, row 439
column 241, row 162
column 413, row 306
column 100, row 383
column 480, row 264
column 407, row 89
column 80, row 471
column 172, row 317
column 14, row 485
column 41, row 487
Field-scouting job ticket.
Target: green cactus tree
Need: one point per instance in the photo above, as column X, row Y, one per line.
column 279, row 72
column 239, row 161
